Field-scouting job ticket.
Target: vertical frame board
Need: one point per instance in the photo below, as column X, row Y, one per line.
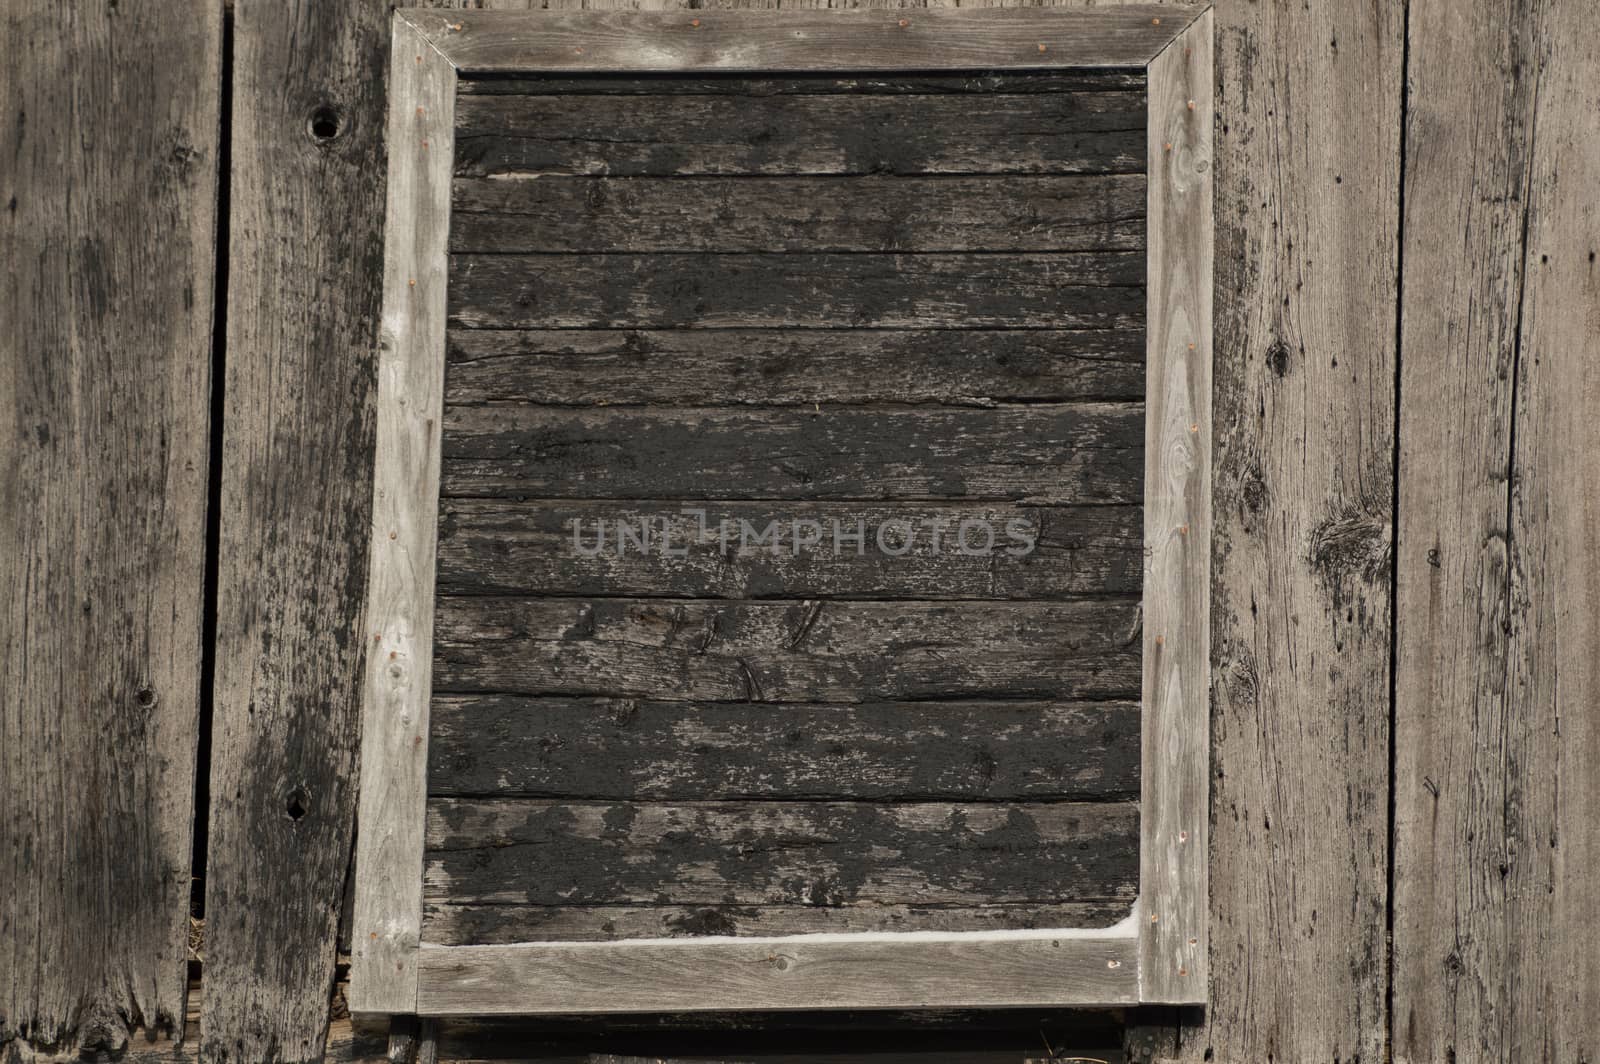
column 1158, row 954
column 1174, row 814
column 399, row 610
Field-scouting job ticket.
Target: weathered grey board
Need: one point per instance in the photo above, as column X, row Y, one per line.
column 815, row 651
column 799, row 973
column 503, row 923
column 1497, row 774
column 107, row 221
column 486, row 42
column 531, row 546
column 306, row 239
column 1069, row 290
column 514, row 746
column 508, row 137
column 386, row 914
column 1307, row 185
column 1174, row 946
column 689, row 367
column 1069, row 453
column 1102, row 212
column 788, row 852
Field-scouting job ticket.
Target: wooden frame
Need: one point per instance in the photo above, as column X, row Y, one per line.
column 1159, row 953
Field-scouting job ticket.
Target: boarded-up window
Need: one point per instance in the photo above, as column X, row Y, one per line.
column 788, row 440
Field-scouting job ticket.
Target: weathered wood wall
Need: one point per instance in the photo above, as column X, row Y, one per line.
column 1407, row 306
column 108, row 181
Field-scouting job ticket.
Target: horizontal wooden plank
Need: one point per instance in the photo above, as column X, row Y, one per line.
column 1093, row 290
column 509, row 746
column 619, row 136
column 764, row 853
column 777, row 366
column 1070, row 453
column 709, row 975
column 802, row 83
column 445, row 924
column 571, row 547
column 699, row 40
column 734, row 214
column 787, row 651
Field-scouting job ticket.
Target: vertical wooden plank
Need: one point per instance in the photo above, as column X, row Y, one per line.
column 387, row 925
column 1174, row 795
column 107, row 219
column 306, row 246
column 1307, row 185
column 1497, row 751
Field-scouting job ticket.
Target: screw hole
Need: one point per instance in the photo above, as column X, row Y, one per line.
column 297, row 804
column 324, row 123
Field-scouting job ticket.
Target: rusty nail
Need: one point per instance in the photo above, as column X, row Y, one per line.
column 412, row 282
column 695, row 23
column 1194, row 942
column 578, row 51
column 1183, row 971
column 1194, row 428
column 1169, row 145
column 904, row 23
column 1161, row 640
column 394, row 535
column 1191, row 105
column 1183, row 530
column 1155, row 22
column 1154, row 918
column 1113, row 964
column 1042, row 48
column 1183, row 836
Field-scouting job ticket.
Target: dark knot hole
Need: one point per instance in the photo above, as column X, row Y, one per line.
column 298, row 803
column 324, row 123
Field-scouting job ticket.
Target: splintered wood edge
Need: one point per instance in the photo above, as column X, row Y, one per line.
column 1174, row 813
column 387, row 917
column 857, row 971
column 860, row 41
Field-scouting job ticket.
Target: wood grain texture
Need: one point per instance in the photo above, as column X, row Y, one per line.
column 1497, row 786
column 386, row 925
column 786, row 651
column 865, row 40
column 524, row 851
column 507, row 923
column 303, row 284
column 579, row 547
column 1069, row 454
column 638, row 749
column 1173, row 899
column 1102, row 212
column 1100, row 290
column 690, row 367
column 522, row 138
column 816, row 83
column 600, row 977
column 108, row 223
column 1307, row 192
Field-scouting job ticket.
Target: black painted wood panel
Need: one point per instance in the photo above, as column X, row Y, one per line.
column 583, row 547
column 775, row 367
column 1080, row 132
column 704, row 332
column 641, row 749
